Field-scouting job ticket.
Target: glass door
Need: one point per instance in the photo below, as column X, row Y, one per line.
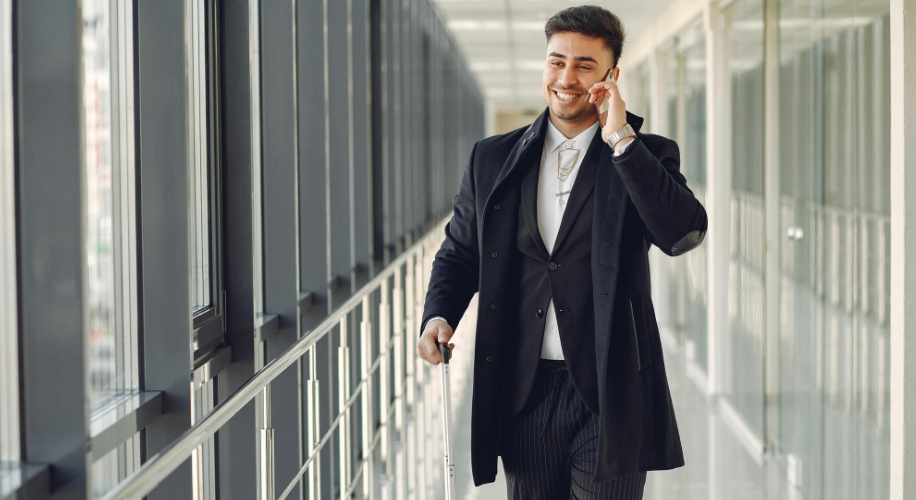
column 801, row 339
column 743, row 343
column 835, row 182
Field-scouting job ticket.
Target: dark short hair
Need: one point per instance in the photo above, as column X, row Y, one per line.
column 590, row 20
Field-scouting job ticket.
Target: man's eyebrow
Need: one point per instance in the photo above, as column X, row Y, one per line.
column 579, row 58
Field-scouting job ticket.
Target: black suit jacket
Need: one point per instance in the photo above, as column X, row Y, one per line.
column 641, row 198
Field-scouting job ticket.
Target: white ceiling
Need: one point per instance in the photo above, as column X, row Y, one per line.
column 504, row 43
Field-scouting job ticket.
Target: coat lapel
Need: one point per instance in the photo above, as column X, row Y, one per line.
column 581, row 189
column 530, row 206
column 521, row 154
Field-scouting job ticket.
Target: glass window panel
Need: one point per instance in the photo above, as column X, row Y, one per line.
column 9, row 362
column 110, row 229
column 115, row 466
column 854, row 214
column 744, row 342
column 203, row 459
column 200, row 156
column 835, row 275
column 679, row 285
column 202, row 150
column 691, row 137
column 636, row 84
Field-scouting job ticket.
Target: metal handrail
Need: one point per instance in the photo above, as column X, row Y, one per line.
column 162, row 464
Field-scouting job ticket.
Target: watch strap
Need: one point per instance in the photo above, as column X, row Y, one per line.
column 623, row 133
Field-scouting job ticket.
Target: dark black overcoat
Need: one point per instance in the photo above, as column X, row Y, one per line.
column 641, row 199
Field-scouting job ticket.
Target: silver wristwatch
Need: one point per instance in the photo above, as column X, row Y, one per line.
column 623, row 133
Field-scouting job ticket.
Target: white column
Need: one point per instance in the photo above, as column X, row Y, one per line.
column 775, row 234
column 718, row 191
column 903, row 243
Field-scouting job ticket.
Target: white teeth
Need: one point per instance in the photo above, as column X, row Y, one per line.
column 566, row 97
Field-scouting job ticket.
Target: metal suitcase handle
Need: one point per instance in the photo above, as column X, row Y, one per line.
column 450, row 493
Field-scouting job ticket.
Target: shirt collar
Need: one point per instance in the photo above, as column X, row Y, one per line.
column 555, row 138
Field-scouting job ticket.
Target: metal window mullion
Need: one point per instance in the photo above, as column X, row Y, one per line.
column 50, row 244
column 199, row 148
column 9, row 374
column 130, row 158
column 126, row 193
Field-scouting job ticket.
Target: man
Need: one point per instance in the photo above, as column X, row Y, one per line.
column 552, row 225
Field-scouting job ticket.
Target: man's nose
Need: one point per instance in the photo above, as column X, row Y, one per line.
column 568, row 77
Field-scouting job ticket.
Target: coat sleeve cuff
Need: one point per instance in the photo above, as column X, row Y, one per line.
column 423, row 327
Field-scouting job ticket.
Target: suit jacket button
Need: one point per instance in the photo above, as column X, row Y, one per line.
column 488, row 358
column 495, row 254
column 496, row 207
column 552, row 266
column 540, row 313
column 492, row 306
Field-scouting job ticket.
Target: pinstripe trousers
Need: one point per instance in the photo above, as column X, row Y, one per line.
column 550, row 449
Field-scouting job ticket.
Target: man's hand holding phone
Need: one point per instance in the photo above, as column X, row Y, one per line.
column 612, row 110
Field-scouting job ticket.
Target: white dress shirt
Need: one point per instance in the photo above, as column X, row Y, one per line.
column 550, row 209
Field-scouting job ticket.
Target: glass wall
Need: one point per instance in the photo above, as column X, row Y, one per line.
column 110, row 228
column 204, row 153
column 692, row 140
column 826, row 419
column 228, row 200
column 835, row 212
column 111, row 225
column 204, row 162
column 9, row 359
column 681, row 282
column 743, row 346
column 635, row 82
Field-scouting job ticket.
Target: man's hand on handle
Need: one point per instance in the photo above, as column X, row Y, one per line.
column 436, row 329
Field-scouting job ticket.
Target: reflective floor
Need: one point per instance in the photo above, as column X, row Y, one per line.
column 718, row 466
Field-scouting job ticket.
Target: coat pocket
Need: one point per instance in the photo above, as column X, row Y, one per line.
column 640, row 332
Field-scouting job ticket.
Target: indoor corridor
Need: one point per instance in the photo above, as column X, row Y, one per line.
column 219, row 218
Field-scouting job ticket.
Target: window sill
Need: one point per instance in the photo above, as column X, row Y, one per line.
column 24, row 481
column 116, row 423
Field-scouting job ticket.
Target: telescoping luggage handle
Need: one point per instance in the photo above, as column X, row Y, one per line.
column 446, row 352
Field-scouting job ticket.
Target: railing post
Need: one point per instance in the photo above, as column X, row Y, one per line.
column 266, row 448
column 366, row 398
column 384, row 378
column 411, row 441
column 399, row 379
column 343, row 391
column 258, row 390
column 314, row 436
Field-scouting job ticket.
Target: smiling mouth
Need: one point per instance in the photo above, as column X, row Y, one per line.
column 565, row 97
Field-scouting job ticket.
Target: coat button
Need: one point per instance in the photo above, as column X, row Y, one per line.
column 488, row 358
column 552, row 266
column 540, row 313
column 492, row 306
column 495, row 254
column 496, row 207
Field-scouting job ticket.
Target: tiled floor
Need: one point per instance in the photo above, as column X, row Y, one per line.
column 718, row 466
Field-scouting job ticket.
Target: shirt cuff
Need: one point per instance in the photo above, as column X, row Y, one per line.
column 430, row 319
column 623, row 149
